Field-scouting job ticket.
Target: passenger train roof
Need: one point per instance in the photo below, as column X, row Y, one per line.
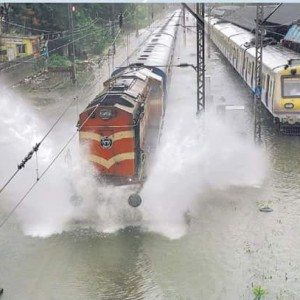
column 274, row 56
column 156, row 51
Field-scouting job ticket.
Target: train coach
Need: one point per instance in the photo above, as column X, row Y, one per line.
column 281, row 71
column 121, row 126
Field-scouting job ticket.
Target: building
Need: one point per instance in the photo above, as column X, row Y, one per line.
column 17, row 47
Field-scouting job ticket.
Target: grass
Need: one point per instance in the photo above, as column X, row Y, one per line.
column 259, row 292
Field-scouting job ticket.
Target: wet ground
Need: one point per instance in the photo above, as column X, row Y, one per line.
column 200, row 235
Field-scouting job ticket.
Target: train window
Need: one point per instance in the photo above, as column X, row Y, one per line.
column 252, row 73
column 267, row 89
column 246, row 65
column 263, row 80
column 271, row 89
column 243, row 63
column 155, row 91
column 291, row 86
column 249, row 67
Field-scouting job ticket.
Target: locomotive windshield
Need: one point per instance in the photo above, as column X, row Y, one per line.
column 291, row 87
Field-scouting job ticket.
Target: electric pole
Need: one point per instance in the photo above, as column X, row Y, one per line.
column 113, row 36
column 200, row 60
column 71, row 10
column 184, row 27
column 200, row 68
column 210, row 8
column 258, row 72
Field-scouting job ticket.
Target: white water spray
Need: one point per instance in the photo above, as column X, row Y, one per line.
column 193, row 156
column 196, row 155
column 47, row 209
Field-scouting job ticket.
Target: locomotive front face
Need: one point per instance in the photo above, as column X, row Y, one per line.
column 109, row 135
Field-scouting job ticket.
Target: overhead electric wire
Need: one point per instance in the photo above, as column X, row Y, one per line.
column 29, row 28
column 5, row 219
column 61, row 46
column 76, row 31
column 47, row 133
column 49, row 32
column 80, row 30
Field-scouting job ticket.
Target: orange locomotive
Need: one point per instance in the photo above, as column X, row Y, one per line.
column 121, row 126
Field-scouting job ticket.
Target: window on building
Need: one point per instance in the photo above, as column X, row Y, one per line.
column 3, row 52
column 21, row 48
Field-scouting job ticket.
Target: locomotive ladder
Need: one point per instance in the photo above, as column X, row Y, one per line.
column 258, row 72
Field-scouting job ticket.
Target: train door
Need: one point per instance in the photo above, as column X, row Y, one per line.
column 267, row 89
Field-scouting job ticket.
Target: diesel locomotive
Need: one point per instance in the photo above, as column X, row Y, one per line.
column 122, row 125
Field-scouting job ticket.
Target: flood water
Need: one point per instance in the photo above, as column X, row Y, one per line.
column 199, row 233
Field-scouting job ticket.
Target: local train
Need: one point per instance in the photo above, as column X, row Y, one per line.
column 281, row 71
column 122, row 125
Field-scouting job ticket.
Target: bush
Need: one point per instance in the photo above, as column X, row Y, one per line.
column 57, row 60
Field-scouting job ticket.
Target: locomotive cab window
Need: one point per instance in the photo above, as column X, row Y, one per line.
column 291, row 86
column 156, row 91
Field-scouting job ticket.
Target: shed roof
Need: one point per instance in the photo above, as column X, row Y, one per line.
column 245, row 16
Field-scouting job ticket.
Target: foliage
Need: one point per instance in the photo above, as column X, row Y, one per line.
column 93, row 30
column 57, row 60
column 258, row 292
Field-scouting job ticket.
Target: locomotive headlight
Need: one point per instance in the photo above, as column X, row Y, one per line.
column 289, row 105
column 106, row 113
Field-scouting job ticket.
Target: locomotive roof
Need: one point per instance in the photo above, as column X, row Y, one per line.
column 274, row 56
column 125, row 89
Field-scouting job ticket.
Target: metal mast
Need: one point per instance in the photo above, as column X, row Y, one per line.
column 200, row 60
column 71, row 10
column 258, row 72
column 184, row 27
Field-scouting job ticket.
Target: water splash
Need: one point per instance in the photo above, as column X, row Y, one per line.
column 195, row 155
column 48, row 209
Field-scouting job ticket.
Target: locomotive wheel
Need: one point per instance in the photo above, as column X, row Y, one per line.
column 134, row 200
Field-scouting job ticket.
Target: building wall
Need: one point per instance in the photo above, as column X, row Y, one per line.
column 17, row 47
